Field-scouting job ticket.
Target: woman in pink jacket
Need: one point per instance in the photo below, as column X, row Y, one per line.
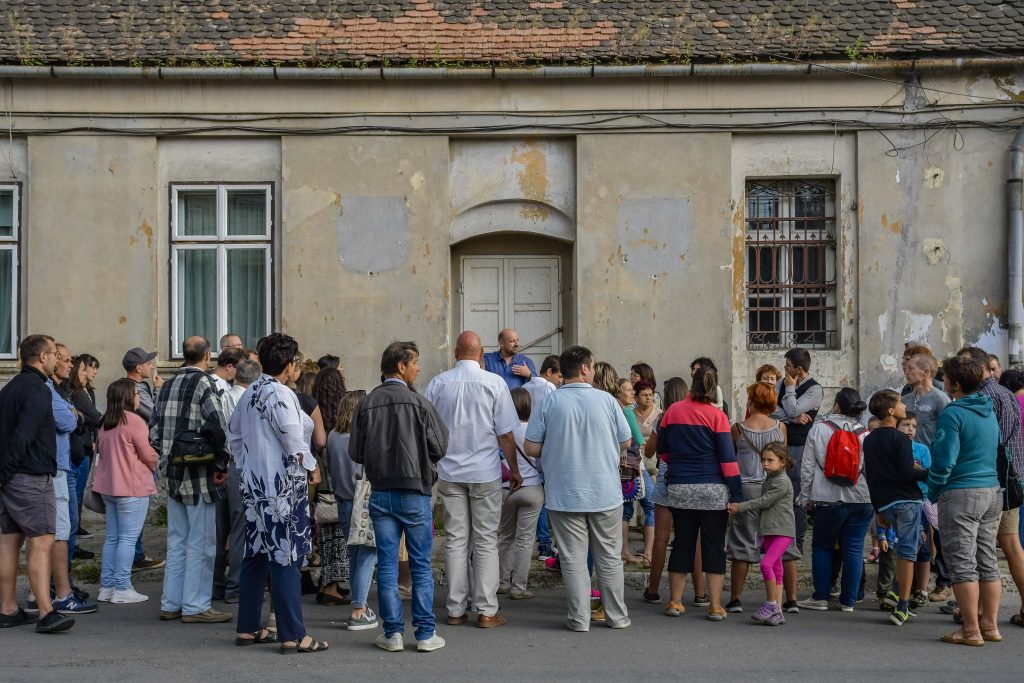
column 124, row 477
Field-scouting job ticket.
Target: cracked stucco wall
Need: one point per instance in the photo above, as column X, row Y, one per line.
column 933, row 247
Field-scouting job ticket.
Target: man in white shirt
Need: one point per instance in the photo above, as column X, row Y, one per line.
column 478, row 411
column 543, row 384
column 227, row 565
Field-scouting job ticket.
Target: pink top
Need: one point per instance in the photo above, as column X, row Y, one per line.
column 126, row 460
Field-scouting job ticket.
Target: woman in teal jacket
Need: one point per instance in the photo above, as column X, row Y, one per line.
column 963, row 481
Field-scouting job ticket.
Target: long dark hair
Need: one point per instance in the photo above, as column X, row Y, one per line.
column 328, row 390
column 120, row 401
column 72, row 383
column 674, row 390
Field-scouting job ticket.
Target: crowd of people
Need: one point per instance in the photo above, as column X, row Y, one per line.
column 281, row 480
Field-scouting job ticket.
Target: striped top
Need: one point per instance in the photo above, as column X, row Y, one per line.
column 696, row 438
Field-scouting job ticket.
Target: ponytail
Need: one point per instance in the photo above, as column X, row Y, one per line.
column 704, row 388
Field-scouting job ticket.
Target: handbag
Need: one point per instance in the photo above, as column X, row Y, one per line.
column 326, row 510
column 90, row 499
column 630, row 475
column 360, row 525
column 1009, row 479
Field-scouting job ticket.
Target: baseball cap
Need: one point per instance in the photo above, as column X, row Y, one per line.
column 135, row 357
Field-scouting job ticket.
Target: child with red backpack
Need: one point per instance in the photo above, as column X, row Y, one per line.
column 893, row 477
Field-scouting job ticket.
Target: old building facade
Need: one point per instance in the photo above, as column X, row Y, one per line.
column 846, row 196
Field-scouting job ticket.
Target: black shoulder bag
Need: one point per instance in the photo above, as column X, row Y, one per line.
column 1009, row 479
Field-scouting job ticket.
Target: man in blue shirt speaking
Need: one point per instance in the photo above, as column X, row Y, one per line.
column 512, row 366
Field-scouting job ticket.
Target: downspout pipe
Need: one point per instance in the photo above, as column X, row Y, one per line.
column 1016, row 247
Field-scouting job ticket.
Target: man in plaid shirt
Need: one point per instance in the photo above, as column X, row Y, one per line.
column 189, row 401
column 1007, row 411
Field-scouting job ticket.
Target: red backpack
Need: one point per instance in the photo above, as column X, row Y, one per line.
column 842, row 455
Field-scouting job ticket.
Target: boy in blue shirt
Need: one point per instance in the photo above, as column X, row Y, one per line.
column 923, row 566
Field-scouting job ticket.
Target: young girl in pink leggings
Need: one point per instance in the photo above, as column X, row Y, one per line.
column 776, row 524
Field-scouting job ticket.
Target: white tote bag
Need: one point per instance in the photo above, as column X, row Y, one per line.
column 360, row 527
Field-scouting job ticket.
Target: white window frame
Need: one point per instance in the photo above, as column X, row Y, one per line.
column 13, row 244
column 222, row 243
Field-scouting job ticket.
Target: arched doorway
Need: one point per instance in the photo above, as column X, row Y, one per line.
column 517, row 280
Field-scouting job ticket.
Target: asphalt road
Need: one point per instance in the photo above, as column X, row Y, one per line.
column 129, row 643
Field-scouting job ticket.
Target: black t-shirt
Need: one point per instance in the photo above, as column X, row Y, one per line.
column 889, row 467
column 307, row 403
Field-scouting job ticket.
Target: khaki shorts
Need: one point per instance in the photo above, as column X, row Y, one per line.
column 28, row 506
column 1009, row 523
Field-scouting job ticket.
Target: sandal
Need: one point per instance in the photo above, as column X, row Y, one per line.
column 675, row 609
column 716, row 614
column 1017, row 619
column 960, row 638
column 314, row 646
column 653, row 598
column 992, row 636
column 258, row 638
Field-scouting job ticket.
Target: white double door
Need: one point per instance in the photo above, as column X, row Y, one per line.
column 521, row 292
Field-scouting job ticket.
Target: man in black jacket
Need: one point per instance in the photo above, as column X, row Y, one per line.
column 28, row 462
column 399, row 437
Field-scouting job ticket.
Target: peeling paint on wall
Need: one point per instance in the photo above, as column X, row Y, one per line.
column 935, row 251
column 952, row 314
column 994, row 340
column 933, row 177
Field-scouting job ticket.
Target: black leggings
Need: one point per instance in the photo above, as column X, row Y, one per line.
column 711, row 525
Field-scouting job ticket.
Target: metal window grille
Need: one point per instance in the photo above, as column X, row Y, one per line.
column 791, row 264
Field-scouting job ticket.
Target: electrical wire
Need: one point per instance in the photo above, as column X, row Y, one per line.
column 848, row 72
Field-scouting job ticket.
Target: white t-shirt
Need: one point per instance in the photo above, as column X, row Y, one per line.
column 530, row 469
column 539, row 389
column 476, row 407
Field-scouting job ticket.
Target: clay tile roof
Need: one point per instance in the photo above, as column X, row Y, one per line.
column 444, row 33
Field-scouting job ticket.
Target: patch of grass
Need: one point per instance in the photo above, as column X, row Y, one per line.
column 160, row 516
column 86, row 572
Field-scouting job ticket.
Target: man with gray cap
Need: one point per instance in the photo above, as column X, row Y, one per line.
column 138, row 366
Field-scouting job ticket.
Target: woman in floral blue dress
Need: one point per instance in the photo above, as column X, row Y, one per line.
column 269, row 438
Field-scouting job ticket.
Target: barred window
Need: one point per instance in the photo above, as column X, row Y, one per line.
column 791, row 264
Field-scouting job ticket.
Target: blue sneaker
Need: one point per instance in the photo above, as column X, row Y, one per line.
column 72, row 605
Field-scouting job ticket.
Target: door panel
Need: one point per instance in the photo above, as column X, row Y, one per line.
column 513, row 291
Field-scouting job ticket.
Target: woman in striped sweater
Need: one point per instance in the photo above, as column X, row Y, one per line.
column 702, row 478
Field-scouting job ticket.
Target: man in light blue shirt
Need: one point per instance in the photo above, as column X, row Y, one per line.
column 580, row 434
column 66, row 419
column 512, row 366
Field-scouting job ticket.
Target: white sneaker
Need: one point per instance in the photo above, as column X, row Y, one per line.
column 392, row 643
column 434, row 642
column 105, row 594
column 128, row 596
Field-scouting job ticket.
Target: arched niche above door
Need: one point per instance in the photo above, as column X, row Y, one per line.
column 517, row 215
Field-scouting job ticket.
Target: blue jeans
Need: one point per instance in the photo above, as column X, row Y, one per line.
column 361, row 559
column 905, row 518
column 392, row 512
column 543, row 530
column 83, row 481
column 846, row 523
column 191, row 541
column 73, row 513
column 125, row 517
column 647, row 503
